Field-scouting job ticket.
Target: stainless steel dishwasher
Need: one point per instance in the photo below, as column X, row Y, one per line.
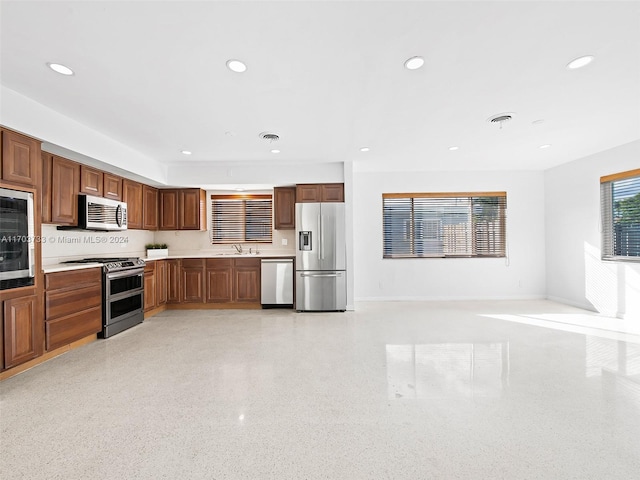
column 277, row 282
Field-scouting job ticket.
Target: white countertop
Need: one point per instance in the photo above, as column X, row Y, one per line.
column 223, row 255
column 64, row 267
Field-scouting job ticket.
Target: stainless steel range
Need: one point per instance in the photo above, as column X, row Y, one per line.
column 122, row 293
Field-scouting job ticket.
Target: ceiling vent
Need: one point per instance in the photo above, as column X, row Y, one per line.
column 270, row 137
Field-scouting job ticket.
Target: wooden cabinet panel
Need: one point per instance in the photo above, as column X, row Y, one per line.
column 168, row 210
column 320, row 192
column 246, row 280
column 332, row 192
column 73, row 278
column 20, row 159
column 59, row 303
column 161, row 282
column 91, row 181
column 45, row 192
column 173, row 281
column 284, row 211
column 191, row 209
column 65, row 184
column 219, row 280
column 132, row 195
column 149, row 208
column 192, row 280
column 23, row 330
column 66, row 330
column 112, row 186
column 307, row 193
column 149, row 290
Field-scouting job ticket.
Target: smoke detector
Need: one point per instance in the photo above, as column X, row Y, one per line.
column 270, row 137
column 500, row 118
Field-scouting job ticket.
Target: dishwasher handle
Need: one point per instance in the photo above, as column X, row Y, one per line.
column 277, row 260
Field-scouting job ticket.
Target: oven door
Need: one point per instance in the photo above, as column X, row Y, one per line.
column 123, row 301
column 17, row 242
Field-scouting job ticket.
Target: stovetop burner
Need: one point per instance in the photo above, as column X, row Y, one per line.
column 112, row 264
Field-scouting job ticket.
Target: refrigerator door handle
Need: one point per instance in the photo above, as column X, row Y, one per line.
column 322, row 275
column 320, row 236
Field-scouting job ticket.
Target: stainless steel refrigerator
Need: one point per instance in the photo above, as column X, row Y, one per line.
column 321, row 283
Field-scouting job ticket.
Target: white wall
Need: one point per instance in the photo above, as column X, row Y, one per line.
column 522, row 275
column 575, row 273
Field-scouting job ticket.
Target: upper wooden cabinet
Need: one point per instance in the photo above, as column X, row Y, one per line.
column 284, row 208
column 149, row 208
column 183, row 209
column 45, row 191
column 112, row 186
column 320, row 192
column 168, row 210
column 20, row 159
column 192, row 209
column 65, row 185
column 132, row 195
column 91, row 181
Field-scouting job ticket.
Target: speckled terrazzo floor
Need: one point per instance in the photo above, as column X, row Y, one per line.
column 437, row 390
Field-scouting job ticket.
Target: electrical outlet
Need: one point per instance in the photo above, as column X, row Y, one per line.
column 285, row 241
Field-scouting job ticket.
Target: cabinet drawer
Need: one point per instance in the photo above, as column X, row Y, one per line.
column 73, row 279
column 66, row 302
column 219, row 262
column 247, row 262
column 68, row 329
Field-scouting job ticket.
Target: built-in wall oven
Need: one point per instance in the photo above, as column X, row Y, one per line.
column 17, row 240
column 122, row 293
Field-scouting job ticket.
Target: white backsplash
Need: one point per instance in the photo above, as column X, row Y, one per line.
column 185, row 242
column 61, row 245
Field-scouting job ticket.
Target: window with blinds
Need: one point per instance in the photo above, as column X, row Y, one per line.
column 620, row 216
column 241, row 218
column 444, row 224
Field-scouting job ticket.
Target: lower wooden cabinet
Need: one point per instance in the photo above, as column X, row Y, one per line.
column 173, row 281
column 161, row 282
column 233, row 280
column 246, row 280
column 150, row 288
column 73, row 306
column 22, row 329
column 192, row 280
column 219, row 274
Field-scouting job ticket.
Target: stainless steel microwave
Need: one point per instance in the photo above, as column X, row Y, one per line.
column 17, row 240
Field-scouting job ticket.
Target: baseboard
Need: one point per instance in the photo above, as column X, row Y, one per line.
column 448, row 299
column 566, row 301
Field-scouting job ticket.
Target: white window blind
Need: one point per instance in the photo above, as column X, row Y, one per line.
column 444, row 224
column 620, row 216
column 241, row 218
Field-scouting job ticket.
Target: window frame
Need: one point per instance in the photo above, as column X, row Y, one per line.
column 471, row 231
column 607, row 218
column 241, row 198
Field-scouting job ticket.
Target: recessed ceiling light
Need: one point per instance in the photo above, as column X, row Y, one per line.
column 545, row 146
column 453, row 148
column 59, row 68
column 275, row 151
column 236, row 66
column 365, row 149
column 414, row 63
column 580, row 62
column 185, row 152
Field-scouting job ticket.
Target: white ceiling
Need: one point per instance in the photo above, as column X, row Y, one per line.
column 328, row 77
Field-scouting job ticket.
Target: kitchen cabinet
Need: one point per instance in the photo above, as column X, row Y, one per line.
column 192, row 280
column 246, row 280
column 161, row 282
column 284, row 208
column 91, row 181
column 192, row 209
column 20, row 159
column 320, row 192
column 174, row 281
column 73, row 306
column 219, row 273
column 22, row 330
column 150, row 287
column 132, row 195
column 112, row 186
column 168, row 210
column 183, row 209
column 65, row 185
column 232, row 280
column 149, row 208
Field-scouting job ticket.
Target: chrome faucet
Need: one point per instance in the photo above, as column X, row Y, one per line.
column 238, row 247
